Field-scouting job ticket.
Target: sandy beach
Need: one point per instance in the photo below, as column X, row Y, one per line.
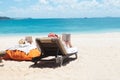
column 98, row 59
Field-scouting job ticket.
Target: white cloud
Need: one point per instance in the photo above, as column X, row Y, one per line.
column 21, row 0
column 43, row 1
column 1, row 13
column 112, row 3
column 18, row 0
column 16, row 12
column 69, row 8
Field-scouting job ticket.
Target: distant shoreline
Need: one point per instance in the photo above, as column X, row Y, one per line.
column 5, row 18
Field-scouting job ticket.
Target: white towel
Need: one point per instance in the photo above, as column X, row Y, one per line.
column 71, row 50
column 23, row 47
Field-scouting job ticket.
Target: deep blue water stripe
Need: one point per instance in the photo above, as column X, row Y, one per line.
column 59, row 25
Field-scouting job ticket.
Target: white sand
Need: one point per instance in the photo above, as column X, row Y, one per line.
column 98, row 59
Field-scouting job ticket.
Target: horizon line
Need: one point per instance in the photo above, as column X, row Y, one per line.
column 57, row 17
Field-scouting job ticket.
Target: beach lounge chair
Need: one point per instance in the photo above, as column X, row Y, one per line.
column 52, row 47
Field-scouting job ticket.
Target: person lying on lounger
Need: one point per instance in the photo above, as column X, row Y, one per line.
column 66, row 40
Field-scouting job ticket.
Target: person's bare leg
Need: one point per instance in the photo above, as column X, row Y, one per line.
column 70, row 45
column 66, row 43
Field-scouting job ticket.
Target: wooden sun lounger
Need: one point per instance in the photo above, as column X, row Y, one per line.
column 52, row 47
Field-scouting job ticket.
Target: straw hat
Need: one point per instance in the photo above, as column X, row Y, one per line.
column 21, row 41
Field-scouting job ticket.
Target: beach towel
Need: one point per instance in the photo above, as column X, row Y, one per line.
column 23, row 47
column 20, row 55
column 22, row 52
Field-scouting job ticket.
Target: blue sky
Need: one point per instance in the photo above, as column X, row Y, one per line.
column 59, row 8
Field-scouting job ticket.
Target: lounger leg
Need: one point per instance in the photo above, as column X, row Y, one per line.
column 35, row 62
column 59, row 60
column 76, row 56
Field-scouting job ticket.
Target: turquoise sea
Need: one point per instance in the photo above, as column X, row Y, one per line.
column 59, row 25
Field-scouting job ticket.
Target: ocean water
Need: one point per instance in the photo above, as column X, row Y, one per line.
column 69, row 25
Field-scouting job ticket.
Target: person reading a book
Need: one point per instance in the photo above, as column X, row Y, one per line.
column 66, row 42
column 29, row 39
column 65, row 39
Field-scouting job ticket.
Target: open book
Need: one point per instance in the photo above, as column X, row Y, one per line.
column 66, row 37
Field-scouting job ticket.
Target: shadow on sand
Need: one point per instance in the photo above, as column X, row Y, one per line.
column 51, row 64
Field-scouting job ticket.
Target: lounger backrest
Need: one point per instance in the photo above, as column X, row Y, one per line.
column 61, row 46
column 50, row 46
